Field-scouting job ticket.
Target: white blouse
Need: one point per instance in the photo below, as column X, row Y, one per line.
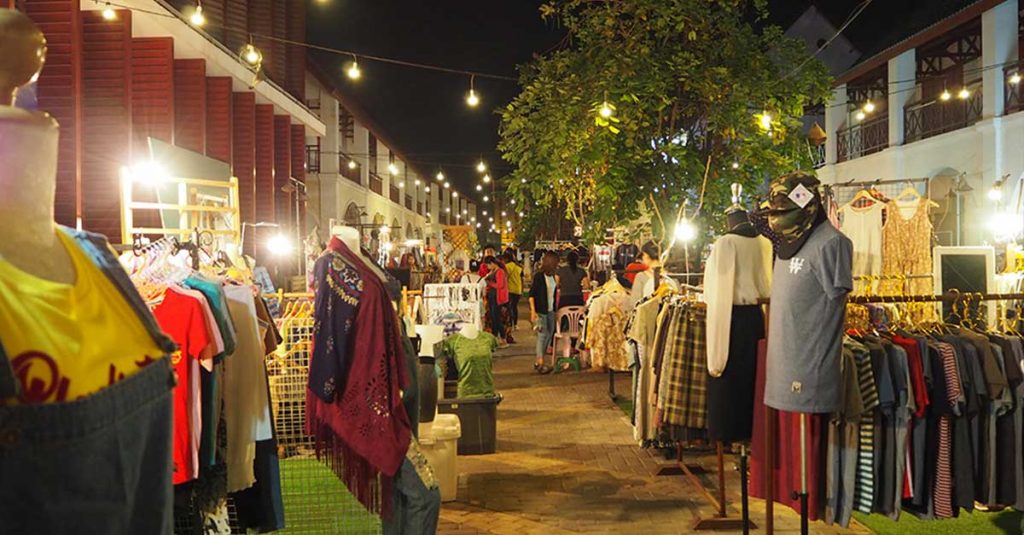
column 738, row 272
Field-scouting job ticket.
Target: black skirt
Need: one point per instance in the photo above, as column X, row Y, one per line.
column 731, row 396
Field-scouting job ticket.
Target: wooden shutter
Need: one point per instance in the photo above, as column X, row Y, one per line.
column 283, row 170
column 243, row 147
column 219, row 126
column 190, row 104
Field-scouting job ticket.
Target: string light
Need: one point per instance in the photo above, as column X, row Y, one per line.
column 869, row 107
column 486, row 198
column 417, row 182
column 481, row 166
column 513, row 202
column 471, row 98
column 392, row 168
column 401, row 184
column 504, row 213
column 465, row 211
column 1015, row 78
column 485, row 212
column 426, row 189
column 439, row 176
column 946, row 95
column 479, row 187
column 521, row 214
column 860, row 115
column 735, row 165
column 352, row 164
column 447, row 185
column 606, row 110
column 353, row 71
column 766, row 121
column 455, row 195
column 197, row 18
column 964, row 94
column 487, row 179
column 252, row 55
column 109, row 13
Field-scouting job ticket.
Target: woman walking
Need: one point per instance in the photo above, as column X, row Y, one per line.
column 497, row 297
column 542, row 307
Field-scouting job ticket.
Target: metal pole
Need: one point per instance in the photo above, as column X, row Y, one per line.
column 744, row 498
column 803, row 474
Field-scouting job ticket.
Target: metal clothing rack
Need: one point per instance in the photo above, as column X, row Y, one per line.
column 770, row 413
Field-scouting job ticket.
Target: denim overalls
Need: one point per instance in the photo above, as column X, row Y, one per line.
column 100, row 464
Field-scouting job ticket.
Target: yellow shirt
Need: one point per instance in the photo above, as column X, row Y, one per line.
column 515, row 278
column 66, row 341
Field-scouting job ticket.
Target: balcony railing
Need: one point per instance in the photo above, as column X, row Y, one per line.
column 817, row 153
column 868, row 137
column 376, row 184
column 1011, row 88
column 933, row 117
column 395, row 198
column 312, row 158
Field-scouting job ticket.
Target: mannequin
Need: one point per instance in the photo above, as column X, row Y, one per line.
column 469, row 330
column 350, row 237
column 736, row 276
column 29, row 153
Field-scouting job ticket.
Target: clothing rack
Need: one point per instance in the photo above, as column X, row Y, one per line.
column 770, row 413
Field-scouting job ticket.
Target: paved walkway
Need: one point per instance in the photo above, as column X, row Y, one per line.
column 567, row 463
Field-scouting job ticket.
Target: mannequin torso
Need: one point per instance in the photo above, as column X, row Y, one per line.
column 350, row 237
column 469, row 330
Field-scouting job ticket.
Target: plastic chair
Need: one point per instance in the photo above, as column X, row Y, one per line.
column 574, row 317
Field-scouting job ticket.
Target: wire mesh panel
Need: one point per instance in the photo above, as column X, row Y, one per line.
column 845, row 192
column 315, row 501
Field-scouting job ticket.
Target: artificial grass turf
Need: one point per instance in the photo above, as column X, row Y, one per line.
column 315, row 501
column 1008, row 522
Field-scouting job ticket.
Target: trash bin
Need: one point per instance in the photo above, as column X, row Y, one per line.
column 439, row 443
column 479, row 418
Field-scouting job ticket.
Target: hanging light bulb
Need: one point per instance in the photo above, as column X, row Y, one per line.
column 735, row 165
column 417, row 182
column 352, row 164
column 197, row 18
column 481, row 166
column 504, row 213
column 487, row 199
column 964, row 94
column 109, row 13
column 479, row 187
column 426, row 189
column 353, row 71
column 447, row 185
column 513, row 202
column 860, row 115
column 401, row 184
column 946, row 95
column 606, row 110
column 487, row 179
column 439, row 176
column 472, row 100
column 252, row 55
column 455, row 195
column 521, row 214
column 1015, row 78
column 766, row 121
column 869, row 107
column 392, row 168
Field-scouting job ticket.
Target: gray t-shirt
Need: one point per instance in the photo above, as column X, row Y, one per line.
column 571, row 281
column 805, row 332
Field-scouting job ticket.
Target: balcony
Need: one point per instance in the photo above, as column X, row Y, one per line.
column 868, row 137
column 929, row 118
column 817, row 153
column 376, row 184
column 345, row 164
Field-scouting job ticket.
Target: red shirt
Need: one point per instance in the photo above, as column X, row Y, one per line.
column 184, row 320
column 500, row 284
column 633, row 269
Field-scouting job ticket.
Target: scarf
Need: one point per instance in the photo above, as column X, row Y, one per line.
column 365, row 431
column 795, row 210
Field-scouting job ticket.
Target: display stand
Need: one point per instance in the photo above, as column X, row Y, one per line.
column 721, row 520
column 769, row 428
column 209, row 205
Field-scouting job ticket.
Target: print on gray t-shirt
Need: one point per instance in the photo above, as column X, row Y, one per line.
column 805, row 331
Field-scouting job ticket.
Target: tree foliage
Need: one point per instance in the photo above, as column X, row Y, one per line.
column 687, row 82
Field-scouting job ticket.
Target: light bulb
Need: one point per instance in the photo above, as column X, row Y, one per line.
column 521, row 214
column 735, row 165
column 109, row 13
column 393, row 169
column 448, row 210
column 485, row 212
column 685, row 231
column 860, row 115
column 479, row 187
column 513, row 202
column 197, row 17
column 486, row 198
column 417, row 182
column 401, row 184
column 869, row 107
column 279, row 244
column 490, row 220
column 252, row 55
column 455, row 195
column 606, row 110
column 352, row 164
column 471, row 99
column 481, row 166
column 353, row 71
column 1015, row 78
column 447, row 185
column 426, row 189
column 523, row 181
column 964, row 94
column 766, row 121
column 487, row 179
column 478, row 225
column 439, row 176
column 946, row 95
column 504, row 213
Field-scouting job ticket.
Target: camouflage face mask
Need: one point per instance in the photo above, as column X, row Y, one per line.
column 794, row 210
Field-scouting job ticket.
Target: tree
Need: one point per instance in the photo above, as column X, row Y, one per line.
column 653, row 101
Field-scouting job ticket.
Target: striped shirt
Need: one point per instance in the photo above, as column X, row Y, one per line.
column 942, row 493
column 864, row 492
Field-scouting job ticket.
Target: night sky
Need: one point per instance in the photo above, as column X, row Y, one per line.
column 425, row 113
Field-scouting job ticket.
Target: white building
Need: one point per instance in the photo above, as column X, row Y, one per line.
column 357, row 176
column 946, row 107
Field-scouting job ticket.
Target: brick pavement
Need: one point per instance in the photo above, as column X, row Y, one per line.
column 567, row 463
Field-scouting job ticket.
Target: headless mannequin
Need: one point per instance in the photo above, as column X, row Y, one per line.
column 350, row 237
column 28, row 150
column 470, row 331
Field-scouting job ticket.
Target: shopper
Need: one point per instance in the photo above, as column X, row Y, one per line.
column 515, row 286
column 497, row 297
column 472, row 276
column 542, row 307
column 572, row 279
column 488, row 251
column 643, row 283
